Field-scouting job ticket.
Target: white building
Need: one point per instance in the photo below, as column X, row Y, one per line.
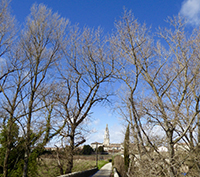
column 162, row 149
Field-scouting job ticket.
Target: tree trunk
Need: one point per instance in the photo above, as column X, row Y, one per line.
column 70, row 161
column 5, row 165
column 27, row 150
column 25, row 169
column 8, row 148
column 198, row 124
column 70, row 152
column 198, row 142
column 172, row 172
column 60, row 165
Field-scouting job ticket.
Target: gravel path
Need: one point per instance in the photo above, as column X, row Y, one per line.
column 105, row 171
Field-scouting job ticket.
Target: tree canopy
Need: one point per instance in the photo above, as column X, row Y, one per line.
column 53, row 73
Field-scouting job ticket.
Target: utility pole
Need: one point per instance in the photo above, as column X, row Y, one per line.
column 96, row 154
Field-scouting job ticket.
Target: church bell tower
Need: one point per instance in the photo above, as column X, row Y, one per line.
column 106, row 141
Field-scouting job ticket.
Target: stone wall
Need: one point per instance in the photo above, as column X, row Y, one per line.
column 86, row 173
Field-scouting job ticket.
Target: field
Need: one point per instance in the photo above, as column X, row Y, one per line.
column 49, row 166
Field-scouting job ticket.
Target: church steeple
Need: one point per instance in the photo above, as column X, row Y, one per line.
column 106, row 137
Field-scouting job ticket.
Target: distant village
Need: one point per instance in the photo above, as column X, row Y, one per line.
column 108, row 147
column 111, row 148
column 116, row 148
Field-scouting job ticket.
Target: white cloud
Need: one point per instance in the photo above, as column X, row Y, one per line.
column 116, row 134
column 96, row 122
column 191, row 11
column 95, row 136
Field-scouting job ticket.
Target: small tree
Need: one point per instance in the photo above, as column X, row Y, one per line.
column 9, row 139
column 87, row 150
column 101, row 149
column 126, row 149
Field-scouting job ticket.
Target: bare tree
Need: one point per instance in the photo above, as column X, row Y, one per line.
column 169, row 76
column 40, row 42
column 172, row 84
column 84, row 73
column 131, row 44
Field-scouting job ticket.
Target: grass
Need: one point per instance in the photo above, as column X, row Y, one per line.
column 48, row 166
column 81, row 165
column 102, row 163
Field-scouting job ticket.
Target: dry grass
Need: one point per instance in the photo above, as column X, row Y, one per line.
column 119, row 165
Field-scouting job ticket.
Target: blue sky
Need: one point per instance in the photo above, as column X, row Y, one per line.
column 94, row 13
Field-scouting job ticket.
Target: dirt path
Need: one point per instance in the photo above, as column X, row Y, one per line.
column 105, row 171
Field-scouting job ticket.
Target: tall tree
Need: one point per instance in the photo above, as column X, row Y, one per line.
column 7, row 66
column 40, row 42
column 88, row 67
column 164, row 79
column 131, row 43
